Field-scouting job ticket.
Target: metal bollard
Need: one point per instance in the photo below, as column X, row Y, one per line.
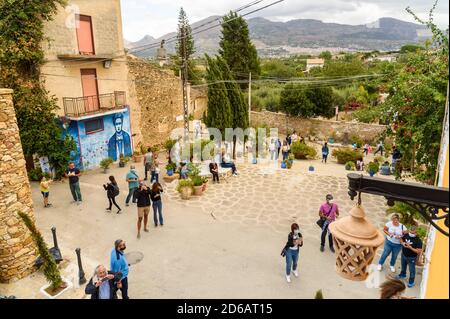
column 81, row 277
column 55, row 241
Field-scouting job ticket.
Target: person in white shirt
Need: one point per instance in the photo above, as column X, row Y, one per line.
column 394, row 231
column 294, row 137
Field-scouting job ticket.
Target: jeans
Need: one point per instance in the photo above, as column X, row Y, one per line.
column 411, row 263
column 131, row 194
column 291, row 260
column 390, row 248
column 147, row 168
column 157, row 207
column 124, row 288
column 76, row 192
column 324, row 157
column 324, row 235
column 154, row 177
column 285, row 155
column 112, row 200
column 229, row 165
column 273, row 155
column 215, row 176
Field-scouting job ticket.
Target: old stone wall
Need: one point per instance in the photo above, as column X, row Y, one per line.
column 17, row 250
column 322, row 129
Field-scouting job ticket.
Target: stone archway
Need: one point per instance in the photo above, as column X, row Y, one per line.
column 17, row 249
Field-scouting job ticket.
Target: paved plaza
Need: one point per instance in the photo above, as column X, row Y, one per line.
column 224, row 244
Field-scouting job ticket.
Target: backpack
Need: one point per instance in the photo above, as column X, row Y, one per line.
column 115, row 190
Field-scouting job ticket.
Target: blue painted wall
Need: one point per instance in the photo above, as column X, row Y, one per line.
column 92, row 148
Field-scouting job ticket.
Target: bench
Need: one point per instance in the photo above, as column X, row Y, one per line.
column 224, row 173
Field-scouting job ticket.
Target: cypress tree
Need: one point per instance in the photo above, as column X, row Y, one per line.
column 237, row 49
column 219, row 108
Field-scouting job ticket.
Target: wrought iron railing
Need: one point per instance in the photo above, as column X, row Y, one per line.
column 80, row 106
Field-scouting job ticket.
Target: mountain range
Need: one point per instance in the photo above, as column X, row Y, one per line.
column 305, row 36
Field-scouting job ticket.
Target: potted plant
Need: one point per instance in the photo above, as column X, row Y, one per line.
column 350, row 166
column 185, row 188
column 197, row 183
column 288, row 163
column 138, row 153
column 171, row 167
column 123, row 160
column 57, row 285
column 333, row 137
column 372, row 168
column 105, row 163
column 291, row 158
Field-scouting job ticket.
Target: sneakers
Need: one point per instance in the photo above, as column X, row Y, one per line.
column 410, row 285
column 322, row 248
column 400, row 277
column 392, row 268
column 379, row 267
column 295, row 272
column 288, row 278
column 119, row 211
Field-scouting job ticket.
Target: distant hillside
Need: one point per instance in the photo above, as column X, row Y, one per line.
column 306, row 35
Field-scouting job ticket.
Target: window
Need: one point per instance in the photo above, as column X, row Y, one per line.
column 93, row 126
column 85, row 35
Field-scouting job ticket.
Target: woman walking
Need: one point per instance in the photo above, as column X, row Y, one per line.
column 155, row 196
column 45, row 190
column 394, row 231
column 291, row 251
column 285, row 150
column 112, row 191
column 155, row 169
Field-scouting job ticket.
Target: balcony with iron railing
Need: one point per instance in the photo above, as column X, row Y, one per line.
column 91, row 105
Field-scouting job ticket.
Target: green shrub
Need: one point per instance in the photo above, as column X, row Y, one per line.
column 345, row 155
column 169, row 143
column 303, row 151
column 408, row 215
column 36, row 175
column 354, row 138
column 184, row 183
column 373, row 167
column 350, row 166
column 197, row 181
column 106, row 162
column 171, row 166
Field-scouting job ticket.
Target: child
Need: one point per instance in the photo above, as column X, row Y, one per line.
column 45, row 190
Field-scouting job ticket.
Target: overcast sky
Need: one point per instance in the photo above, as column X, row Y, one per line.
column 158, row 17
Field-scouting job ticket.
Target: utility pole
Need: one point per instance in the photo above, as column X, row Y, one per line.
column 249, row 97
column 184, row 78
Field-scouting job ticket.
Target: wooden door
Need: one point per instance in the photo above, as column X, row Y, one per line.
column 90, row 90
column 85, row 35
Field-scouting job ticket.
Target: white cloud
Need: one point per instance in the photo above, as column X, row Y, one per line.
column 158, row 17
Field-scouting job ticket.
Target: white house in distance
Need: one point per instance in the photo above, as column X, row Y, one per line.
column 314, row 63
column 388, row 58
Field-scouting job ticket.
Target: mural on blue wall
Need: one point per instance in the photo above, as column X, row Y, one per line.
column 110, row 140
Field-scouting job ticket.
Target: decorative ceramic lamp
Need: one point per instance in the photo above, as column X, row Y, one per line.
column 356, row 242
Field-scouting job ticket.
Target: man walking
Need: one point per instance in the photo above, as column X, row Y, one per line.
column 412, row 246
column 148, row 160
column 328, row 211
column 396, row 156
column 380, row 148
column 74, row 174
column 143, row 204
column 133, row 184
column 119, row 264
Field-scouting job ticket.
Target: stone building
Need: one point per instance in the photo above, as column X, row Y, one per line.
column 86, row 71
column 17, row 250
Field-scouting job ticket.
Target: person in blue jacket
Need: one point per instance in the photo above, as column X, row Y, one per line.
column 119, row 264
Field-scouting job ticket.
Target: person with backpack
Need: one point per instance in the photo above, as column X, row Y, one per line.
column 328, row 213
column 291, row 251
column 394, row 231
column 112, row 191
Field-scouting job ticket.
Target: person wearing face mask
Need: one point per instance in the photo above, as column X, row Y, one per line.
column 412, row 246
column 394, row 231
column 103, row 285
column 119, row 264
column 328, row 211
column 133, row 184
column 291, row 251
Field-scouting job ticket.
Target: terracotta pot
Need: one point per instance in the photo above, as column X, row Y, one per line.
column 198, row 190
column 204, row 186
column 186, row 193
column 138, row 158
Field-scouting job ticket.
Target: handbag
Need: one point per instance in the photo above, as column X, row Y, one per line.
column 322, row 220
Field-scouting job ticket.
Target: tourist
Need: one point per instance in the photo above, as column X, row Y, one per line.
column 285, row 150
column 396, row 156
column 380, row 148
column 394, row 231
column 103, row 285
column 325, row 152
column 366, row 149
column 74, row 182
column 112, row 191
column 133, row 184
column 143, row 204
column 393, row 289
column 360, row 165
column 291, row 251
column 354, row 146
column 155, row 170
column 412, row 246
column 294, row 137
column 214, row 170
column 228, row 163
column 289, row 139
column 148, row 160
column 155, row 195
column 328, row 211
column 119, row 264
column 45, row 190
column 184, row 171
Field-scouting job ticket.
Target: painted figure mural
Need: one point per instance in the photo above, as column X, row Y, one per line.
column 120, row 142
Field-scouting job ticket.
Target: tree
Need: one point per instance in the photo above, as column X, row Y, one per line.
column 295, row 102
column 21, row 56
column 218, row 113
column 323, row 100
column 326, row 55
column 237, row 49
column 185, row 35
column 407, row 48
